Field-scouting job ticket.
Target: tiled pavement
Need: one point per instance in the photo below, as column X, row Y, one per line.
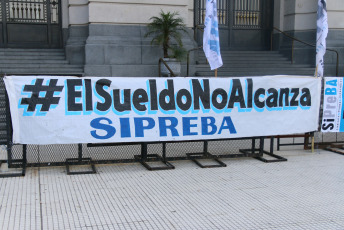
column 306, row 192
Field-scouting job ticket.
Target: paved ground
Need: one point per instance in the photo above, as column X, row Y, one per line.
column 306, row 192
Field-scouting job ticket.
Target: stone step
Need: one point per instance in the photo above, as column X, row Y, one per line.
column 29, row 50
column 33, row 61
column 41, row 57
column 262, row 69
column 255, row 73
column 33, row 54
column 253, row 63
column 248, row 63
column 202, row 67
column 37, row 65
column 247, row 58
column 247, row 54
column 42, row 71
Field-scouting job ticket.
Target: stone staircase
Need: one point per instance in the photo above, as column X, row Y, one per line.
column 31, row 62
column 37, row 62
column 252, row 63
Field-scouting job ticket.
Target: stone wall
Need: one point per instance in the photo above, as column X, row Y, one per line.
column 298, row 19
column 107, row 36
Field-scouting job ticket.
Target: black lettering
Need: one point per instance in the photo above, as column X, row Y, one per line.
column 200, row 94
column 88, row 93
column 169, row 92
column 294, row 101
column 103, row 106
column 284, row 93
column 153, row 95
column 73, row 94
column 236, row 95
column 327, row 126
column 272, row 99
column 306, row 99
column 257, row 102
column 224, row 97
column 140, row 96
column 188, row 100
column 125, row 106
column 249, row 92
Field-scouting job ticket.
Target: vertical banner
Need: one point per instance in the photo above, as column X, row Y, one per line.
column 332, row 120
column 211, row 40
column 322, row 30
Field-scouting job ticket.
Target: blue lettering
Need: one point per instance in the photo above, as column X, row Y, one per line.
column 172, row 127
column 332, row 82
column 330, row 91
column 229, row 125
column 139, row 127
column 206, row 125
column 125, row 127
column 110, row 130
column 187, row 126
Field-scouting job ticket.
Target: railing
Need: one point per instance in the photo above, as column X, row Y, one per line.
column 32, row 11
column 197, row 27
column 222, row 11
column 305, row 43
column 247, row 13
column 169, row 69
column 188, row 54
column 188, row 60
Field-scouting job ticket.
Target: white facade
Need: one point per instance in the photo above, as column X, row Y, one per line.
column 99, row 28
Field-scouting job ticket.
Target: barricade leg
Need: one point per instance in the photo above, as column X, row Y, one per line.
column 145, row 158
column 10, row 163
column 336, row 148
column 271, row 154
column 253, row 151
column 196, row 157
column 81, row 162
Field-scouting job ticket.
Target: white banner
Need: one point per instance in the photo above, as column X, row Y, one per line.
column 333, row 120
column 63, row 110
column 322, row 30
column 211, row 39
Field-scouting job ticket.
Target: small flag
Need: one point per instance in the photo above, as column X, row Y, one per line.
column 322, row 30
column 211, row 40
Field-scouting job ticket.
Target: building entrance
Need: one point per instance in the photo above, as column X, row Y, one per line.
column 243, row 24
column 30, row 24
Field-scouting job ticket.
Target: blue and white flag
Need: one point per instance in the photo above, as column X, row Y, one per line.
column 322, row 30
column 211, row 40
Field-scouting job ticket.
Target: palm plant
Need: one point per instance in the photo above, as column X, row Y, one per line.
column 168, row 26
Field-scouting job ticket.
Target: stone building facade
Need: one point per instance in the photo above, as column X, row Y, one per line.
column 107, row 36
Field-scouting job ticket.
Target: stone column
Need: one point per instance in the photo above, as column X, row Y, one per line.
column 298, row 19
column 335, row 13
column 78, row 23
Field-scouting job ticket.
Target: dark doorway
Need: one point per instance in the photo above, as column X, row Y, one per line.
column 243, row 24
column 30, row 24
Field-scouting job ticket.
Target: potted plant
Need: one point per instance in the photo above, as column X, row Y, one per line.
column 167, row 29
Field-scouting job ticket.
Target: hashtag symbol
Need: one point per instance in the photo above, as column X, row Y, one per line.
column 41, row 95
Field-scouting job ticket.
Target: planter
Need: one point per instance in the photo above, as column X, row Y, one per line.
column 174, row 65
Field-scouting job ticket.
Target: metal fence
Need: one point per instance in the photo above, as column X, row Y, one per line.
column 54, row 155
column 21, row 156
